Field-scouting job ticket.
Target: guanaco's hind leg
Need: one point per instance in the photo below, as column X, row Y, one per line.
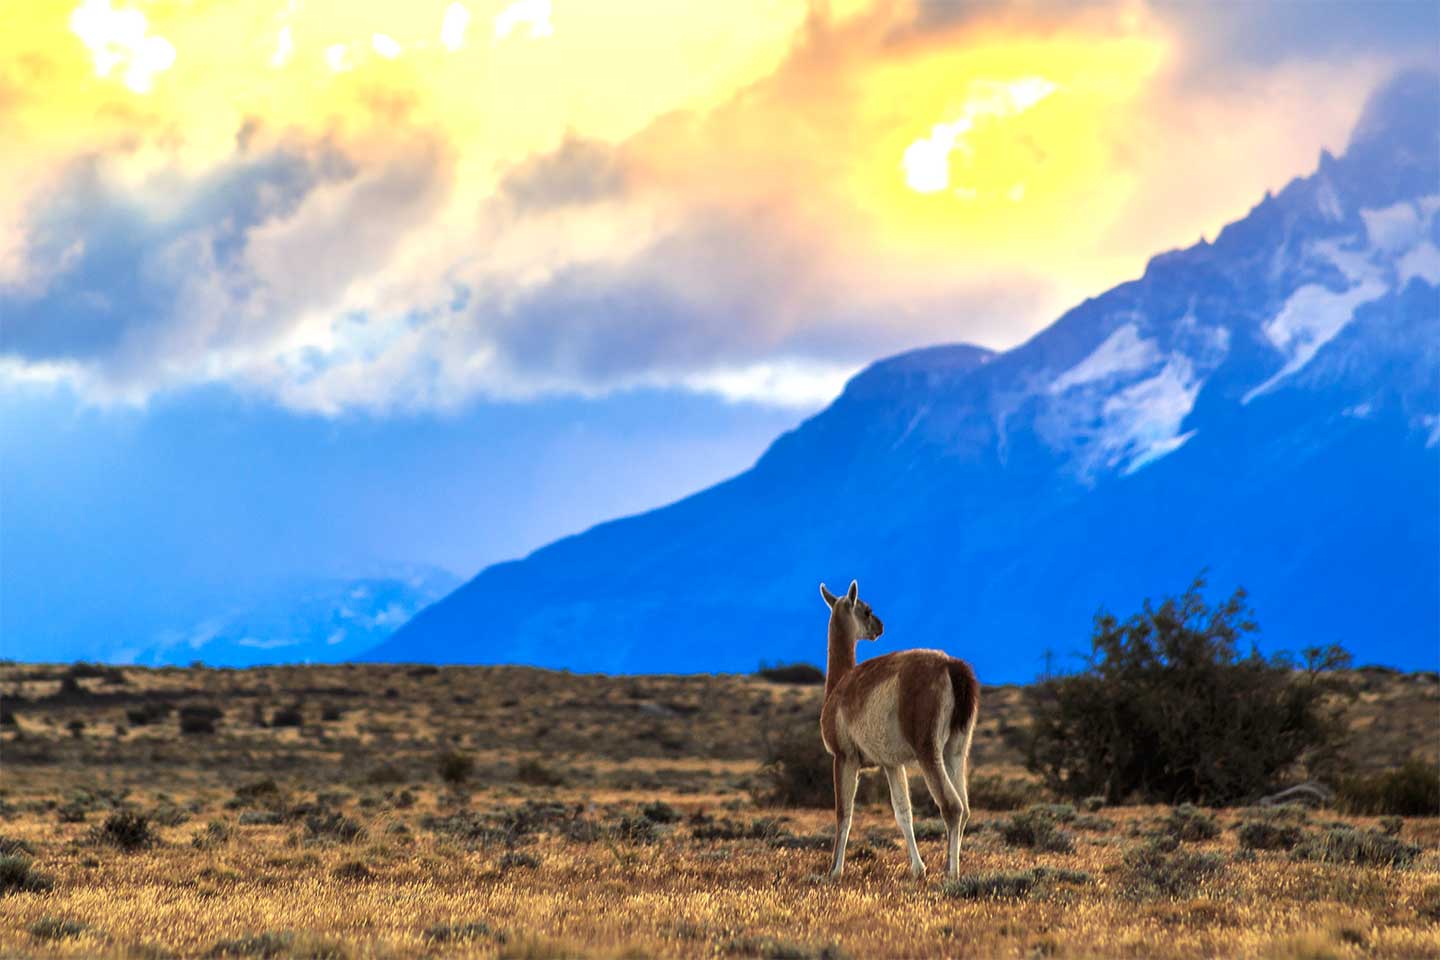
column 947, row 798
column 900, row 800
column 847, row 778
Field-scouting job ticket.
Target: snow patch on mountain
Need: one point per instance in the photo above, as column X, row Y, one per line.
column 1142, row 422
column 1124, row 351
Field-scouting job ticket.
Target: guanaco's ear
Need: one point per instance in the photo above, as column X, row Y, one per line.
column 854, row 593
column 827, row 596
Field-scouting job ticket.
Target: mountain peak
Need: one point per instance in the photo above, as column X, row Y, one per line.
column 1405, row 110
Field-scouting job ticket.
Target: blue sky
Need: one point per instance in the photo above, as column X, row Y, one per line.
column 355, row 289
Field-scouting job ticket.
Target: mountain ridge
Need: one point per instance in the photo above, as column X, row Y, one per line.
column 1233, row 395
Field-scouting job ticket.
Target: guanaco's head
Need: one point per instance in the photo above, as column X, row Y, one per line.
column 851, row 611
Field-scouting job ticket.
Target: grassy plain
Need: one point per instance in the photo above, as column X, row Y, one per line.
column 606, row 816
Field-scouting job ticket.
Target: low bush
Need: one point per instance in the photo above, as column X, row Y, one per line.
column 56, row 928
column 147, row 713
column 276, row 945
column 1189, row 824
column 536, row 774
column 331, row 825
column 461, row 932
column 1001, row 793
column 352, row 870
column 1013, row 885
column 454, row 767
column 1410, row 790
column 18, row 875
column 291, row 716
column 804, row 674
column 1162, row 869
column 1359, row 848
column 1276, row 832
column 518, row 859
column 199, row 719
column 1039, row 828
column 660, row 812
column 796, row 771
column 125, row 830
column 216, row 833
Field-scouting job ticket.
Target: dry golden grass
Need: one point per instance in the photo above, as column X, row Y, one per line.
column 442, row 872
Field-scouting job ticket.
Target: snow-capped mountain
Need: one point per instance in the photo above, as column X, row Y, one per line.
column 1266, row 406
column 315, row 620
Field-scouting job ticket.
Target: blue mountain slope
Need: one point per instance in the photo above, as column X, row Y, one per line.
column 1266, row 406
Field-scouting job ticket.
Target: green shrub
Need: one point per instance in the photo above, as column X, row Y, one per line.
column 1166, row 693
column 1360, row 848
column 1410, row 790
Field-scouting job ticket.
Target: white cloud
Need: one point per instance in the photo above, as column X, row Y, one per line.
column 387, row 46
column 119, row 39
column 452, row 29
column 284, row 48
column 926, row 162
column 532, row 13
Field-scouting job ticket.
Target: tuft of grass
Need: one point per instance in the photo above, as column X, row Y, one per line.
column 1357, row 848
column 1039, row 828
column 56, row 928
column 18, row 875
column 1011, row 885
column 518, row 859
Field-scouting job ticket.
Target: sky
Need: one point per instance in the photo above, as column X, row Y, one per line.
column 300, row 285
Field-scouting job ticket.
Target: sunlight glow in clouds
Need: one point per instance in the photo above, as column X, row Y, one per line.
column 352, row 204
column 927, row 160
column 117, row 38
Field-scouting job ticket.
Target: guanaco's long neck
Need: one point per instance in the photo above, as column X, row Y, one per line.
column 841, row 658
